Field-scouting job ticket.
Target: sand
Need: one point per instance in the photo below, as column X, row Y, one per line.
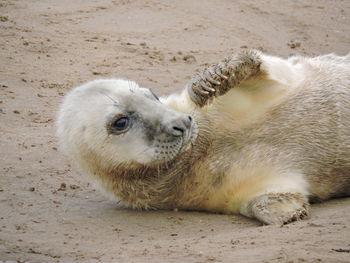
column 49, row 212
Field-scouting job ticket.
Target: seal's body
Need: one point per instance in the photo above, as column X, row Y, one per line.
column 254, row 134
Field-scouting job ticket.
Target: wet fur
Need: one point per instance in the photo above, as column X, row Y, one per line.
column 273, row 136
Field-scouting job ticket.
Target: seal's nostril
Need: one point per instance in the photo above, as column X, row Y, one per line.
column 179, row 125
column 178, row 129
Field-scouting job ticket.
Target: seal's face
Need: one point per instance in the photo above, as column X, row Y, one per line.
column 120, row 122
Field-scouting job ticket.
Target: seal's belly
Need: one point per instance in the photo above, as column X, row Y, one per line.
column 227, row 192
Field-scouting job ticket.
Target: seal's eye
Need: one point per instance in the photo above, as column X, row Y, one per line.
column 119, row 125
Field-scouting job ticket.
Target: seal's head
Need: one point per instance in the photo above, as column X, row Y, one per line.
column 114, row 121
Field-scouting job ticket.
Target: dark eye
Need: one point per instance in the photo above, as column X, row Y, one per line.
column 121, row 124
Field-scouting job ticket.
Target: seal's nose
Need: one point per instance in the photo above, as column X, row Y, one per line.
column 179, row 126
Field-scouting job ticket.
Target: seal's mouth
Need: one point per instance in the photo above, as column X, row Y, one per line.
column 190, row 137
column 167, row 149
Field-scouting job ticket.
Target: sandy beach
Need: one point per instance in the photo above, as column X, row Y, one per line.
column 49, row 212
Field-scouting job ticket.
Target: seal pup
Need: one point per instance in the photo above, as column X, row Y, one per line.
column 254, row 134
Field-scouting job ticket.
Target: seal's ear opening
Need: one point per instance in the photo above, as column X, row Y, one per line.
column 154, row 95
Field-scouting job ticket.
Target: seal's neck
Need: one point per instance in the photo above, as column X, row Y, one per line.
column 147, row 187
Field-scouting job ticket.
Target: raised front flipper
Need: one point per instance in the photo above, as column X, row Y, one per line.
column 218, row 79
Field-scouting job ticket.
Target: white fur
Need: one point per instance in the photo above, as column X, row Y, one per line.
column 97, row 107
column 284, row 131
